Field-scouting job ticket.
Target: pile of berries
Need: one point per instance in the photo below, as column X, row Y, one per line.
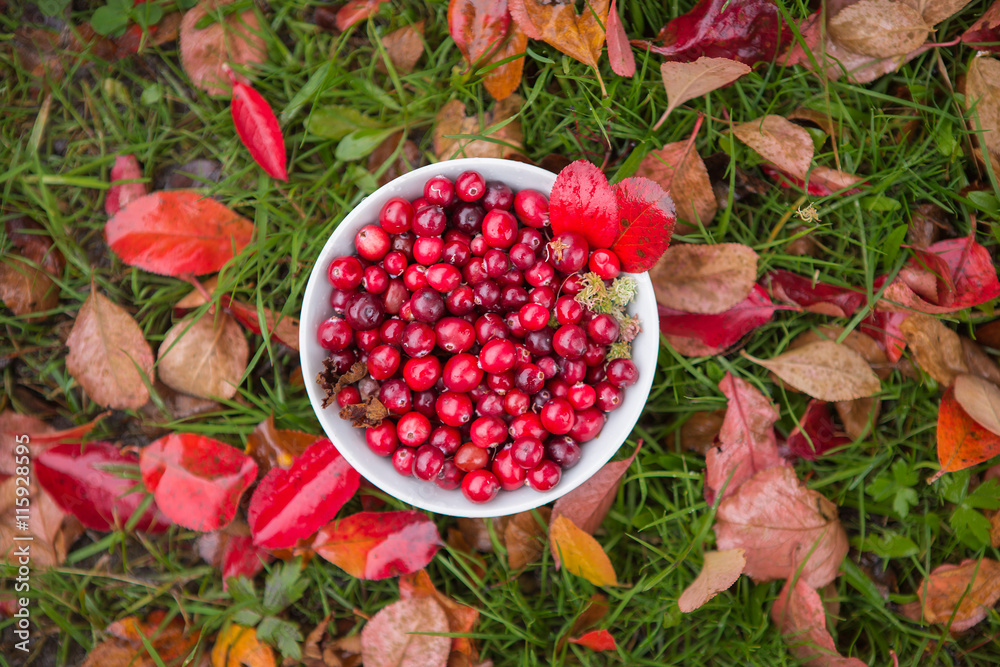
column 463, row 306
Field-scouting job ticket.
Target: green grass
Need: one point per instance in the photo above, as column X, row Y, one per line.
column 54, row 168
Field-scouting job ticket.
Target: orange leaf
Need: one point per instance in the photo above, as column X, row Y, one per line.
column 579, row 36
column 581, row 554
column 961, row 442
column 720, row 571
column 502, row 81
column 378, row 545
column 238, row 646
column 959, row 596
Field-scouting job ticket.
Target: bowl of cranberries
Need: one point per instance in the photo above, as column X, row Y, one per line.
column 464, row 358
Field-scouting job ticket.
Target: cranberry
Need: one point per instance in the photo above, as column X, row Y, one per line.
column 395, row 296
column 383, row 362
column 421, row 374
column 334, row 334
column 490, row 326
column 568, row 252
column 532, row 208
column 512, row 297
column 342, row 360
column 372, row 242
column 529, row 378
column 349, row 395
column 419, row 203
column 595, row 374
column 396, row 216
column 539, row 400
column 468, row 218
column 364, row 311
column 540, row 274
column 533, row 317
column 595, row 354
column 418, row 339
column 527, row 424
column 568, row 310
column 544, row 296
column 450, row 476
column 516, row 402
column 480, row 390
column 588, row 425
column 501, row 383
column 368, row 340
column 531, row 238
column 609, row 397
column 428, row 462
column 345, row 273
column 453, row 408
column 376, row 280
column 428, row 249
column 572, row 370
column 339, row 299
column 427, row 305
column 460, row 301
column 369, row 386
column 544, row 476
column 548, row 367
column 558, row 388
column 488, row 432
column 443, row 277
column 570, row 341
column 439, row 191
column 497, row 196
column 490, row 405
column 429, row 221
column 499, row 229
column 469, row 457
column 404, row 243
column 462, row 373
column 581, row 396
column 424, row 402
column 603, row 329
column 513, row 323
column 480, row 486
column 402, row 461
column 622, row 372
column 456, row 253
column 539, row 343
column 415, row 277
column 454, row 334
column 508, row 472
column 558, row 416
column 446, row 438
column 497, row 356
column 391, row 331
column 522, row 256
column 470, row 186
column 496, row 262
column 605, row 263
column 486, row 294
column 413, row 429
column 395, row 396
column 573, row 284
column 527, row 452
column 479, row 246
column 564, row 450
column 382, row 439
column 394, row 263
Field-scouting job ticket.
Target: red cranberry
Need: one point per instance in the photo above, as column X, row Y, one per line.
column 439, row 191
column 486, row 294
column 622, row 372
column 468, row 218
column 418, row 339
column 533, row 317
column 558, row 388
column 497, row 356
column 588, row 425
column 443, row 277
column 425, row 402
column 460, row 301
column 595, row 354
column 480, row 486
column 419, row 203
column 568, row 310
column 572, row 371
column 450, row 476
column 480, row 390
column 395, row 396
column 404, row 243
column 573, row 284
column 402, row 461
column 391, row 331
column 544, row 296
column 501, row 383
column 413, row 429
column 496, row 262
column 453, row 408
column 469, row 457
column 345, row 273
column 342, row 360
column 462, row 372
column 429, row 221
column 605, row 263
column 532, row 208
column 446, row 438
column 544, row 476
column 454, row 334
column 497, row 196
column 539, row 400
column 415, row 277
column 527, row 424
column 539, row 343
column 364, row 311
column 512, row 297
column 349, row 395
column 548, row 367
column 522, row 256
column 490, row 326
column 456, row 253
column 421, row 374
column 427, row 305
column 541, row 274
column 428, row 462
column 395, row 296
column 570, row 341
column 369, row 386
column 372, row 242
column 394, row 263
column 531, row 238
column 516, row 402
column 470, row 186
column 529, row 378
column 514, row 326
column 499, row 229
column 581, row 396
column 382, row 439
column 603, row 329
column 334, row 334
column 383, row 362
column 490, row 405
column 509, row 473
column 558, row 416
column 527, row 452
column 609, row 397
column 564, row 451
column 368, row 340
column 568, row 252
column 376, row 280
column 474, row 272
column 488, row 432
column 339, row 299
column 428, row 249
column 396, row 215
column 595, row 374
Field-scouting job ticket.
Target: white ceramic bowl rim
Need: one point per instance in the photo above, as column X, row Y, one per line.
column 351, row 441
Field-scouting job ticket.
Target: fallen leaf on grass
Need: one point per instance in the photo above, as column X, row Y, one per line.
column 378, row 545
column 125, row 646
column 779, row 141
column 50, row 530
column 812, row 295
column 404, row 46
column 596, row 640
column 704, row 279
column 258, row 128
column 825, row 370
column 580, row 36
column 863, row 344
column 979, row 362
column 25, row 289
column 679, row 169
column 282, row 328
column 176, row 232
column 237, row 40
column 878, row 28
column 595, row 609
column 524, row 536
column 33, row 242
column 108, row 354
column 645, row 223
column 580, row 553
column 461, row 618
column 884, row 328
column 858, row 416
column 588, row 504
column 980, row 399
column 126, row 168
column 206, row 357
column 451, row 121
column 720, row 570
column 959, row 596
column 784, row 527
column 961, row 441
column 197, row 481
column 724, row 329
column 408, row 158
column 936, row 348
column 272, row 447
column 238, row 646
column 231, row 549
column 801, row 618
column 405, row 633
column 476, row 533
column 485, row 34
column 699, row 431
column 619, row 50
column 356, row 11
column 687, row 80
column 815, row 434
column 984, row 30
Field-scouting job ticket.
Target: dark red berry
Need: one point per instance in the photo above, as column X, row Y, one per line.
column 486, row 294
column 527, row 424
column 527, row 452
column 541, row 274
column 428, row 462
column 427, row 305
column 367, row 340
column 394, row 263
column 516, row 402
column 501, row 383
column 522, row 256
column 446, row 438
column 609, row 397
column 572, row 371
column 564, row 451
column 456, row 253
column 404, row 243
column 454, row 334
column 391, row 331
column 497, row 196
column 490, row 326
column 450, row 476
column 488, row 432
column 568, row 252
column 588, row 425
column 376, row 280
column 334, row 334
column 512, row 297
column 569, row 341
column 395, row 296
column 548, row 367
column 425, row 402
column 544, row 476
column 480, row 486
column 490, row 405
column 429, row 221
column 460, row 301
column 342, row 360
column 468, row 218
column 345, row 273
column 595, row 354
column 603, row 329
column 529, row 378
column 573, row 284
column 427, row 250
column 395, row 396
column 531, row 238
column 462, row 372
column 382, row 439
column 622, row 372
column 539, row 343
column 496, row 262
column 364, row 311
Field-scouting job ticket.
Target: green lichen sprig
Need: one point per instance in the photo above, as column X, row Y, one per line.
column 613, row 300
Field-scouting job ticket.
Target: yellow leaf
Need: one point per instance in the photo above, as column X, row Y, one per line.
column 581, row 554
column 238, row 646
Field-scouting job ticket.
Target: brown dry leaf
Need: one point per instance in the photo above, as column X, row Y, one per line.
column 927, row 222
column 407, row 159
column 361, row 415
column 783, row 526
column 108, row 354
column 475, row 562
column 982, row 101
column 588, row 504
column 825, row 370
column 699, row 432
column 524, row 537
column 52, row 531
column 989, row 334
column 679, row 170
column 978, row 362
column 124, row 647
column 206, row 358
column 476, row 534
column 34, row 243
column 691, row 347
column 178, row 405
column 195, row 298
column 781, row 142
column 580, row 553
column 25, row 289
column 332, row 382
column 686, row 81
column 935, row 11
column 310, row 648
column 704, row 279
column 237, row 40
column 801, row 617
column 238, row 646
column 404, row 46
column 968, row 591
column 936, row 348
column 579, row 36
column 862, row 343
column 461, row 618
column 451, row 120
column 858, row 416
column 820, row 119
column 273, row 447
column 720, row 571
column 878, row 28
column 394, row 636
column 980, row 399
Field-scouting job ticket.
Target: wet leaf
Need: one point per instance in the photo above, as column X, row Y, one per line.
column 699, row 431
column 238, row 646
column 723, row 330
column 588, row 504
column 936, row 348
column 451, row 121
column 980, row 399
column 282, row 328
column 258, row 129
column 959, row 596
column 935, row 11
column 812, row 295
column 961, row 441
column 580, row 553
column 786, row 529
column 579, row 36
column 404, row 46
column 461, row 618
column 878, row 28
column 476, row 533
column 679, row 170
column 378, row 545
column 645, row 223
column 619, row 50
column 720, row 570
column 596, row 640
column 83, row 482
column 237, row 40
column 704, row 279
column 272, row 447
column 197, row 481
column 108, row 354
column 289, row 505
column 824, row 370
column 746, row 442
column 781, row 142
column 25, row 289
column 232, row 550
column 583, row 201
column 801, row 618
column 398, row 636
column 687, row 80
column 177, row 232
column 982, row 101
column 524, row 537
column 978, row 362
column 815, row 433
column 126, row 168
column 205, row 357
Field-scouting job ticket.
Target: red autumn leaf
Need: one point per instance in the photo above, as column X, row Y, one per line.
column 984, row 33
column 746, row 442
column 237, row 40
column 285, row 330
column 356, row 11
column 646, row 223
column 478, row 27
column 961, row 442
column 884, row 328
column 788, row 181
column 378, row 545
column 814, row 296
column 197, row 481
column 588, row 504
column 80, row 478
column 583, row 201
column 292, row 504
column 816, row 433
column 973, row 277
column 177, row 232
column 596, row 640
column 801, row 617
column 41, row 436
column 120, row 194
column 233, row 552
column 619, row 50
column 722, row 330
column 258, row 128
column 745, row 30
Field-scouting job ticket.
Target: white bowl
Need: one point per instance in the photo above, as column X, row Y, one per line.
column 351, row 441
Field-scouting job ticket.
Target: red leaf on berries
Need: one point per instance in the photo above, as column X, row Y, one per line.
column 289, row 505
column 816, row 423
column 596, row 640
column 745, row 30
column 378, row 545
column 355, row 11
column 646, row 223
column 583, row 201
column 82, row 481
column 619, row 50
column 176, row 232
column 232, row 551
column 197, row 481
column 722, row 330
column 120, row 194
column 814, row 296
column 259, row 130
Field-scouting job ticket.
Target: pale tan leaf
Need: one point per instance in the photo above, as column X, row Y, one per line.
column 704, row 279
column 935, row 11
column 397, row 635
column 980, row 399
column 504, row 142
column 858, row 416
column 781, row 142
column 237, row 40
column 52, row 531
column 699, row 431
column 25, row 289
column 801, row 617
column 878, row 28
column 404, row 46
column 720, row 571
column 108, row 355
column 686, row 81
column 936, row 348
column 824, row 370
column 679, row 170
column 206, row 358
column 862, row 343
column 982, row 101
